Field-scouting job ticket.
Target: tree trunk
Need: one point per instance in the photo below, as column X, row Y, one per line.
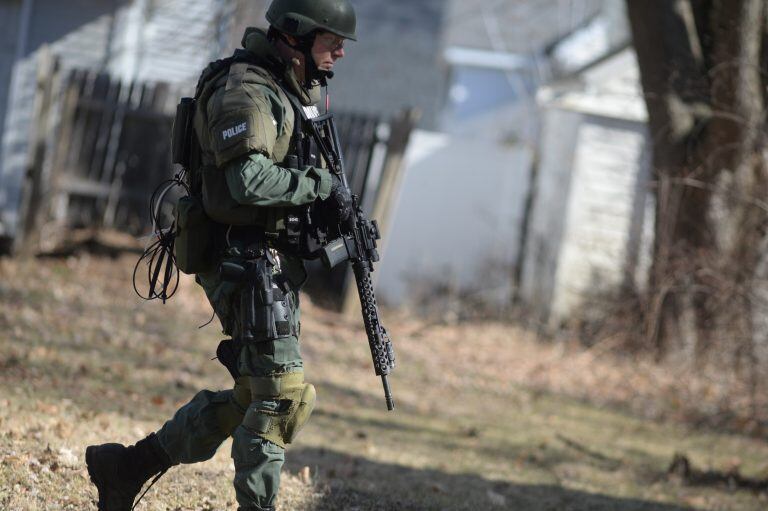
column 702, row 65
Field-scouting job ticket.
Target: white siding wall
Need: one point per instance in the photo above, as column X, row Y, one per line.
column 166, row 40
column 87, row 47
column 591, row 225
column 9, row 28
column 600, row 239
column 18, row 128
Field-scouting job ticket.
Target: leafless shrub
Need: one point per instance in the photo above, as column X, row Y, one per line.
column 441, row 295
column 721, row 376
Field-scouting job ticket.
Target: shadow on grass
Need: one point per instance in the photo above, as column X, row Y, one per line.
column 357, row 483
column 357, row 399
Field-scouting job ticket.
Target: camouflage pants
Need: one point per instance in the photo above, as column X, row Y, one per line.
column 198, row 428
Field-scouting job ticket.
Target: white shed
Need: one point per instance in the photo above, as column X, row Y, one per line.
column 591, row 224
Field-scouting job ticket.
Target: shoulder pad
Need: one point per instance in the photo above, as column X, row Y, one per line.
column 209, row 73
column 241, row 114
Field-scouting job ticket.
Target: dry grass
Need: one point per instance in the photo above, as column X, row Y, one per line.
column 486, row 418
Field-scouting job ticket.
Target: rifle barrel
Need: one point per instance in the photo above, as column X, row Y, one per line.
column 387, row 393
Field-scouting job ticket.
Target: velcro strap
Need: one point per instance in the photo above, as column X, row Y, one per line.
column 283, row 328
column 258, row 421
column 275, row 386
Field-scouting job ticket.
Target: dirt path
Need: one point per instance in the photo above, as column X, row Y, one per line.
column 486, row 418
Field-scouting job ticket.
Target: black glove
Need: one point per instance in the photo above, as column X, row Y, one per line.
column 339, row 202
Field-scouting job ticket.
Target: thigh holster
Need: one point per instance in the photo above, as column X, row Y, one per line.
column 265, row 310
column 295, row 400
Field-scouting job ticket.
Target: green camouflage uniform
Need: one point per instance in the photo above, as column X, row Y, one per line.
column 244, row 123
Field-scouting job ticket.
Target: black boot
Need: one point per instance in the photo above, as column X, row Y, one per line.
column 119, row 472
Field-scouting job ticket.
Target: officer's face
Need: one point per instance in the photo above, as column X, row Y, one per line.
column 328, row 48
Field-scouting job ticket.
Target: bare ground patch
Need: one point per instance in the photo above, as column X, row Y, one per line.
column 486, row 417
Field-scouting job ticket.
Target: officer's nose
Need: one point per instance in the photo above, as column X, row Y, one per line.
column 338, row 53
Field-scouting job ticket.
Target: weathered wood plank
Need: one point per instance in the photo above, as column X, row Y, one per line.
column 402, row 127
column 83, row 187
column 97, row 105
column 36, row 192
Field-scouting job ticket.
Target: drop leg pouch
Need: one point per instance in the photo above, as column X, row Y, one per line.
column 194, row 245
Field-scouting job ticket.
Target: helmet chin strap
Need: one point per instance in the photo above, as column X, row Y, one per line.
column 311, row 71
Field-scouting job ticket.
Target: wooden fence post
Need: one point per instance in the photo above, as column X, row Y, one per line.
column 35, row 195
column 64, row 140
column 389, row 184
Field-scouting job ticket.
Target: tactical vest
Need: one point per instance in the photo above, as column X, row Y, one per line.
column 223, row 81
column 209, row 212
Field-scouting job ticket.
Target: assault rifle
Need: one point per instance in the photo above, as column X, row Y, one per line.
column 354, row 240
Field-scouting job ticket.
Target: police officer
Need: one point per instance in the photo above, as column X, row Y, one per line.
column 253, row 166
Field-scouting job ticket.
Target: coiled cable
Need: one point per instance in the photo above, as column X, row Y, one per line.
column 162, row 272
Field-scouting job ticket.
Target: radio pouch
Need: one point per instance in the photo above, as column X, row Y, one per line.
column 181, row 137
column 194, row 246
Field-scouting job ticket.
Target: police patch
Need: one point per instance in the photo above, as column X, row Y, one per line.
column 234, row 131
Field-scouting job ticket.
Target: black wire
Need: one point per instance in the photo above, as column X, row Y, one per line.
column 157, row 478
column 213, row 315
column 162, row 271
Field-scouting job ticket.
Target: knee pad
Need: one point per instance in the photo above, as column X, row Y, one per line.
column 295, row 399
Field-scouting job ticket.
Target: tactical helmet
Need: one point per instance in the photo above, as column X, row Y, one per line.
column 300, row 17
